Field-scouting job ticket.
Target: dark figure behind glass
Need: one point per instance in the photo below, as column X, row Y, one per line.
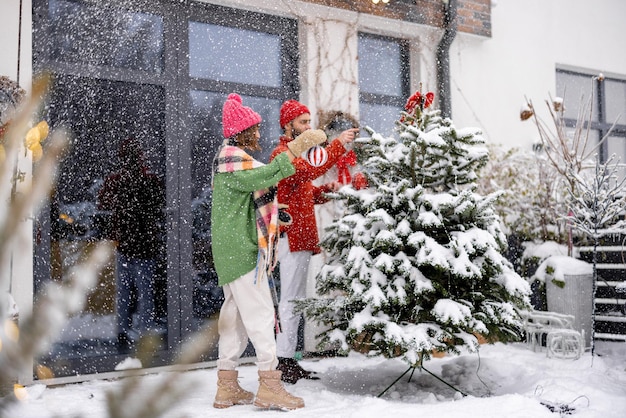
column 135, row 199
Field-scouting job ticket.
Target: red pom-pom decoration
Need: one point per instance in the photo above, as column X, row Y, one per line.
column 359, row 182
column 316, row 156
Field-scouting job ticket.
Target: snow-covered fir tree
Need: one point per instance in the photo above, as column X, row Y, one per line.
column 415, row 264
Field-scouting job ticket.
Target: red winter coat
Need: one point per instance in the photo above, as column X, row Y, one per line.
column 301, row 195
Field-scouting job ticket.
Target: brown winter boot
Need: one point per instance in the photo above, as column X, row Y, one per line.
column 229, row 392
column 272, row 394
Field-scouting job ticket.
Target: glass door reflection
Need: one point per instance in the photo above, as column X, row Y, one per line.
column 111, row 187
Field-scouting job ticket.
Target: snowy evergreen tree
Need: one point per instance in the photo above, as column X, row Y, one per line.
column 415, row 264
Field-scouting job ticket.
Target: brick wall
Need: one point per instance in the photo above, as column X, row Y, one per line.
column 473, row 16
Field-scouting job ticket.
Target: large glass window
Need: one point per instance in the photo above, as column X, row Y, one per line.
column 383, row 81
column 105, row 36
column 615, row 96
column 617, row 145
column 231, row 54
column 142, row 96
column 224, row 58
column 606, row 98
column 111, row 187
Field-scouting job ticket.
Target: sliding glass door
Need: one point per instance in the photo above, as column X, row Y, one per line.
column 140, row 86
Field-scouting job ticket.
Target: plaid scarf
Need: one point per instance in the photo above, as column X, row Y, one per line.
column 230, row 159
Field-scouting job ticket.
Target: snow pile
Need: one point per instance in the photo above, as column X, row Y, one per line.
column 499, row 381
column 556, row 267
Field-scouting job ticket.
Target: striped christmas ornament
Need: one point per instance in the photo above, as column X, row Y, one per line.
column 315, row 156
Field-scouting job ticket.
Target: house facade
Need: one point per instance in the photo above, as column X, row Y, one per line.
column 158, row 71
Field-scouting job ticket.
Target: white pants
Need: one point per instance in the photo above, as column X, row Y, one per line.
column 247, row 312
column 294, row 267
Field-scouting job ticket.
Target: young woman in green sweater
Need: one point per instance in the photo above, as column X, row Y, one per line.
column 244, row 232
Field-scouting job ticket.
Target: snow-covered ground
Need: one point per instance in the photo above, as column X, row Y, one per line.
column 503, row 381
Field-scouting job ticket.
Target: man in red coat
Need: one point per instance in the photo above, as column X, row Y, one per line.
column 300, row 240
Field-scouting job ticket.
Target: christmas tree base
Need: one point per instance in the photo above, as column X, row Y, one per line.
column 363, row 344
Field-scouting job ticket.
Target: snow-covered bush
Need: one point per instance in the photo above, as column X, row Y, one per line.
column 532, row 201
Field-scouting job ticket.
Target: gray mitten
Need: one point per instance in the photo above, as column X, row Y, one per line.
column 306, row 140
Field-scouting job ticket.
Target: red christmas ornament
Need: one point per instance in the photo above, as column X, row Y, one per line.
column 316, row 156
column 359, row 182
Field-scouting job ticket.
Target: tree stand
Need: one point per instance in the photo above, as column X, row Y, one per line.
column 412, row 370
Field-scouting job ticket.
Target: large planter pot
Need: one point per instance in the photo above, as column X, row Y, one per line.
column 569, row 290
column 573, row 297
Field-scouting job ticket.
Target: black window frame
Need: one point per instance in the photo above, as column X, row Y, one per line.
column 601, row 124
column 405, row 72
column 405, row 75
column 254, row 21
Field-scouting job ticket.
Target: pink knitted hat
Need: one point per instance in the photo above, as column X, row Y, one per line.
column 237, row 117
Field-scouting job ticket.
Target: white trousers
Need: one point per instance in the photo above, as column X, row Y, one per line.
column 294, row 267
column 247, row 312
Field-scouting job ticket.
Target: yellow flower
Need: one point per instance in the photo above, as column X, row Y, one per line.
column 43, row 129
column 37, row 151
column 35, row 135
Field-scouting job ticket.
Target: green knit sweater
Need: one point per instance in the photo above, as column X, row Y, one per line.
column 233, row 220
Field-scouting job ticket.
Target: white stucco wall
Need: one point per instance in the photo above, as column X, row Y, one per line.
column 17, row 275
column 530, row 38
column 10, row 37
column 9, row 24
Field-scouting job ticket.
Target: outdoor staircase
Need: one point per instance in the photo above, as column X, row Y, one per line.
column 610, row 300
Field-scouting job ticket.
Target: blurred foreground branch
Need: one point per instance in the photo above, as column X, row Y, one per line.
column 23, row 340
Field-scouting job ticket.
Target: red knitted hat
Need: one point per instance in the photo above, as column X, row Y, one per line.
column 237, row 117
column 290, row 110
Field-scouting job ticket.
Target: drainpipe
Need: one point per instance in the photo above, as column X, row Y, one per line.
column 443, row 57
